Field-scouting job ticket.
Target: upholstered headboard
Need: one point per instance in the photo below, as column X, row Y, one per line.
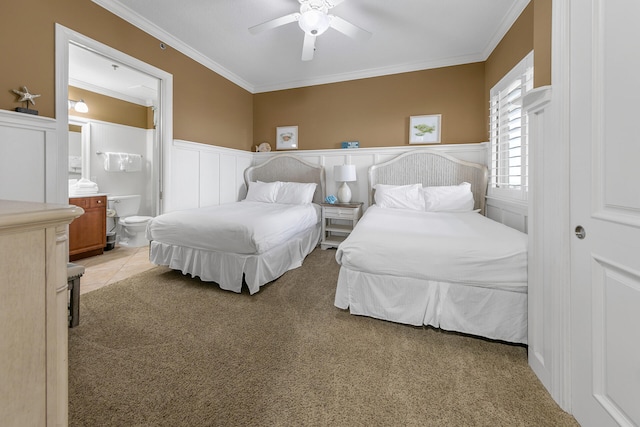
column 288, row 168
column 430, row 168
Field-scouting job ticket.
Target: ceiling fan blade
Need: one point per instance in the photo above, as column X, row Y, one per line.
column 347, row 28
column 308, row 47
column 274, row 23
column 333, row 3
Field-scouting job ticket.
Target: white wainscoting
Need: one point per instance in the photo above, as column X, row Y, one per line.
column 204, row 175
column 110, row 137
column 509, row 213
column 549, row 254
column 29, row 153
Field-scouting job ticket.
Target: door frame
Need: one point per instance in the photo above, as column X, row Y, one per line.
column 549, row 216
column 164, row 126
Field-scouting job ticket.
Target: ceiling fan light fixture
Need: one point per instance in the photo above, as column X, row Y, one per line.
column 314, row 22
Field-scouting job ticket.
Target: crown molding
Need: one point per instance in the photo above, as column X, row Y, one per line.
column 157, row 32
column 508, row 21
column 372, row 72
column 143, row 24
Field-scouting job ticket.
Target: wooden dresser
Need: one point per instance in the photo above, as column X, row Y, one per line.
column 88, row 234
column 33, row 313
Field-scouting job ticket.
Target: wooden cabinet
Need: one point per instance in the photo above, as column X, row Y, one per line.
column 338, row 220
column 88, row 234
column 33, row 313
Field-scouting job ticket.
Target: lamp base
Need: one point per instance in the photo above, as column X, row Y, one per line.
column 344, row 193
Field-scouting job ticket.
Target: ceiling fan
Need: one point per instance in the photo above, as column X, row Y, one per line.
column 314, row 20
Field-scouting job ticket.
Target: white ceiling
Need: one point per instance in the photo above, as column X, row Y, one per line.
column 408, row 35
column 96, row 73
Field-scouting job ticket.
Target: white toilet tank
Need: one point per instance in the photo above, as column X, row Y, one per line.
column 124, row 206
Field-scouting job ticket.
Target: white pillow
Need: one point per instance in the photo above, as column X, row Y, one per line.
column 262, row 192
column 296, row 193
column 449, row 198
column 400, row 196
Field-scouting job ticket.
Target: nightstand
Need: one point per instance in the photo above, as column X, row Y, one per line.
column 338, row 220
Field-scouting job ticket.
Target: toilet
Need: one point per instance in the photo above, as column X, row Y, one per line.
column 131, row 228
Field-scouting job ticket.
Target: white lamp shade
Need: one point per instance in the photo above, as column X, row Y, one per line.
column 344, row 173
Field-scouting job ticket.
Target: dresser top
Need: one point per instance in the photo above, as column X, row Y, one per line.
column 15, row 214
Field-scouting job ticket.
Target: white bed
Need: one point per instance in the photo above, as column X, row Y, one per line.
column 455, row 270
column 253, row 241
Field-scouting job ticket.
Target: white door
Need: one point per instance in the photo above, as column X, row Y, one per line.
column 605, row 201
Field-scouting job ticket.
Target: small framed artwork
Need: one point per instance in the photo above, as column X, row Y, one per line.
column 287, row 138
column 425, row 129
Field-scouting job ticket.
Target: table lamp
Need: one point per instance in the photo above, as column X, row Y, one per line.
column 344, row 174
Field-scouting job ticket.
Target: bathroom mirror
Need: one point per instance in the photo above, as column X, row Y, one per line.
column 79, row 148
column 75, row 152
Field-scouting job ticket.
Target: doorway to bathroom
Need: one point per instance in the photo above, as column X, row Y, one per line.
column 89, row 68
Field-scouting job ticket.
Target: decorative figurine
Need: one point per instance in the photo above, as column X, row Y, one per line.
column 331, row 199
column 27, row 98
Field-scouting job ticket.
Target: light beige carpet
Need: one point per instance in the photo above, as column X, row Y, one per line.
column 163, row 349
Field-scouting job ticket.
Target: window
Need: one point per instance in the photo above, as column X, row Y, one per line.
column 508, row 165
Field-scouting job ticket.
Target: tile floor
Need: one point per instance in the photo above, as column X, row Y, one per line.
column 112, row 266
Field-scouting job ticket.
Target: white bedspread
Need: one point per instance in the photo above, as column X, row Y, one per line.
column 239, row 227
column 463, row 248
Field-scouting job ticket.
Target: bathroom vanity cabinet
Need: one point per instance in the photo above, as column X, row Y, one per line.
column 88, row 234
column 33, row 313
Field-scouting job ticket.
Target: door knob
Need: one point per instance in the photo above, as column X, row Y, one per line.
column 581, row 233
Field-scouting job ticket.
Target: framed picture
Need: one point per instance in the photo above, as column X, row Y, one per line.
column 424, row 129
column 287, row 138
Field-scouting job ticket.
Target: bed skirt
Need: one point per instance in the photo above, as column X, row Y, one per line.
column 227, row 269
column 491, row 313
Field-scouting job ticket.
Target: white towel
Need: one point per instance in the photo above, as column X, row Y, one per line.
column 115, row 162
column 82, row 187
column 133, row 163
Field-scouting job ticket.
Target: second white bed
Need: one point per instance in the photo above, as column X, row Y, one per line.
column 456, row 271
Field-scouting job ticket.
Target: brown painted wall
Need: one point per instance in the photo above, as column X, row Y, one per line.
column 514, row 46
column 531, row 31
column 376, row 111
column 212, row 110
column 207, row 107
column 542, row 42
column 112, row 110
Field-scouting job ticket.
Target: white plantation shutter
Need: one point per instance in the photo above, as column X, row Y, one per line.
column 508, row 165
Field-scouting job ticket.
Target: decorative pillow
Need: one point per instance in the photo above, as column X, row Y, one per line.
column 295, row 193
column 400, row 196
column 262, row 192
column 449, row 198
